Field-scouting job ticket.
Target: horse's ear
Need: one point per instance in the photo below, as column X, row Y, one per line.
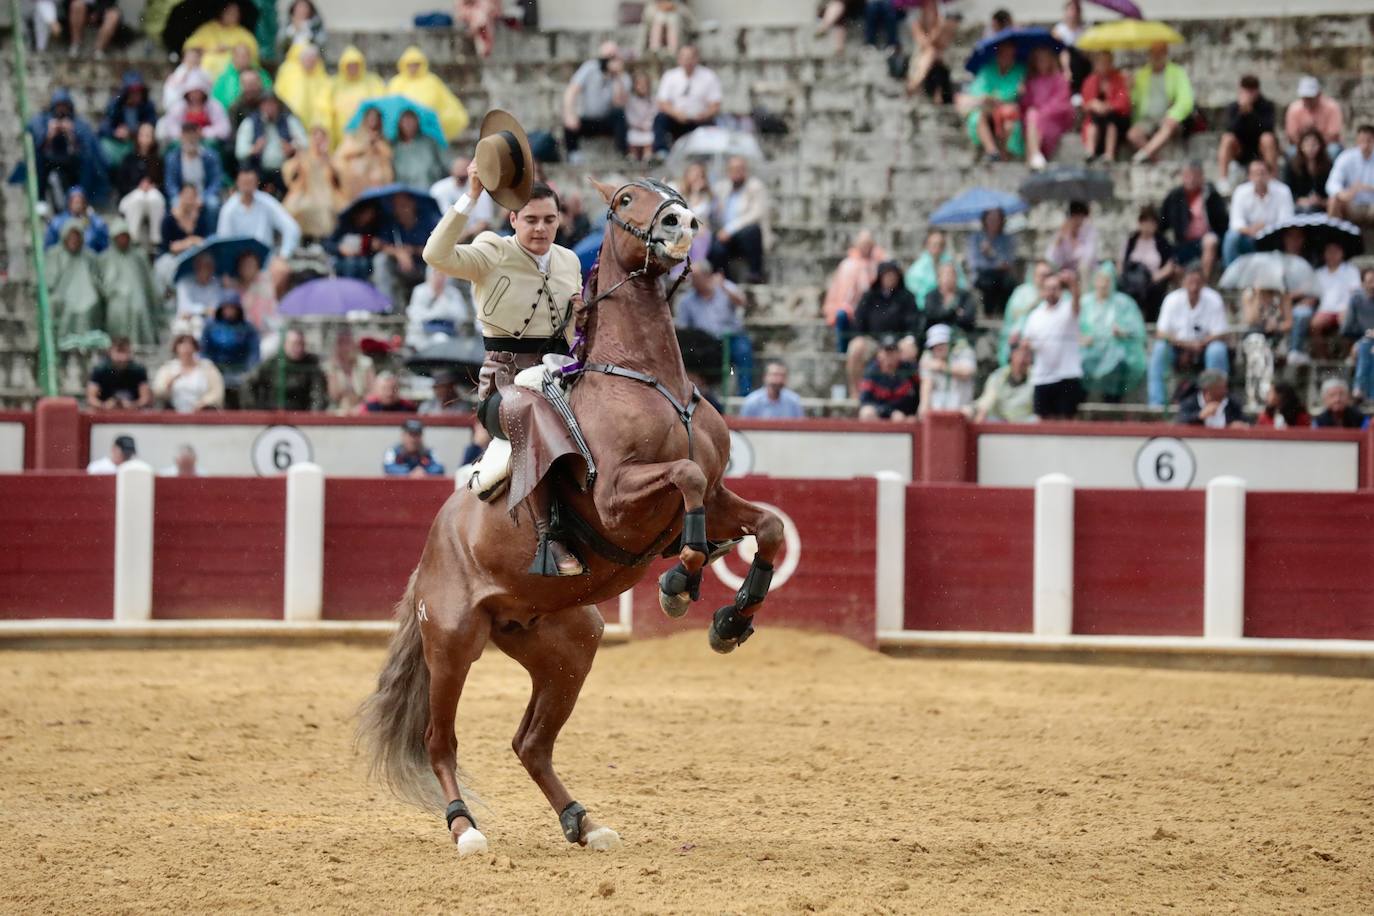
column 607, row 190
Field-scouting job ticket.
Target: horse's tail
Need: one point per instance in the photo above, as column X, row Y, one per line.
column 392, row 721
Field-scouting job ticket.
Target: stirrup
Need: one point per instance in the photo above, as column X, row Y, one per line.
column 544, row 563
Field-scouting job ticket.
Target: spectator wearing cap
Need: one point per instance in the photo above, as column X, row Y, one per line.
column 888, row 308
column 121, row 450
column 688, row 97
column 1194, row 218
column 386, row 397
column 1008, row 395
column 444, row 398
column 411, row 458
column 713, row 304
column 773, row 401
column 1314, row 110
column 1338, row 411
column 118, row 383
column 1209, row 403
column 1161, row 100
column 1350, row 188
column 292, row 380
column 192, row 164
column 947, row 368
column 1250, row 125
column 891, row 388
column 594, row 101
column 231, row 343
column 1191, row 329
column 1260, row 202
column 1052, row 333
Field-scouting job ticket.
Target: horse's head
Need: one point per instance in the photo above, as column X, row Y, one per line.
column 649, row 225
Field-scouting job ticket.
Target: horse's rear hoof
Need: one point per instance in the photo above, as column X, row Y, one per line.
column 471, row 841
column 728, row 630
column 674, row 605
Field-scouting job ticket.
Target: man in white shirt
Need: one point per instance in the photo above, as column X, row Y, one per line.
column 121, row 450
column 1051, row 331
column 1338, row 282
column 1350, row 186
column 446, row 191
column 688, row 96
column 1192, row 324
column 1258, row 203
column 257, row 214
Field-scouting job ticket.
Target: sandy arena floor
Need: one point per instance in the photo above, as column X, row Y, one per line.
column 800, row 774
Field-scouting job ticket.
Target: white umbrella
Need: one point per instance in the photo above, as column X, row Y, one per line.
column 714, row 144
column 1271, row 270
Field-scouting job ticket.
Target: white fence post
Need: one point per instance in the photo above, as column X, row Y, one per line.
column 1223, row 603
column 1052, row 602
column 304, row 555
column 133, row 561
column 890, row 589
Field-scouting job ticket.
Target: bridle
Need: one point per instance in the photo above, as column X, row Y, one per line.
column 670, row 197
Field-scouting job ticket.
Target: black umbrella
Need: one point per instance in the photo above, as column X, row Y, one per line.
column 462, row 355
column 189, row 15
column 1318, row 231
column 1065, row 183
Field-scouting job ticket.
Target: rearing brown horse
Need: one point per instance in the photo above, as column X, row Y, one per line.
column 659, row 451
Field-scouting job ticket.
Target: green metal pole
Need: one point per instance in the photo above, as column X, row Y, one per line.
column 47, row 345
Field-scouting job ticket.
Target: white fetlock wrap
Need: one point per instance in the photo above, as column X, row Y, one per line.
column 493, row 468
column 602, row 839
column 470, row 841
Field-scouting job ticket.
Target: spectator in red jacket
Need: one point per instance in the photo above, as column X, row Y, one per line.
column 386, row 397
column 1106, row 108
column 890, row 388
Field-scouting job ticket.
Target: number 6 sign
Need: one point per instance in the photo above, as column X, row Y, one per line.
column 279, row 447
column 1165, row 463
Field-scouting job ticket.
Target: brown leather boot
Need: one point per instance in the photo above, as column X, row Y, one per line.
column 551, row 556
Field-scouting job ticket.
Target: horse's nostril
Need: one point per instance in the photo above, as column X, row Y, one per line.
column 695, row 225
column 670, row 220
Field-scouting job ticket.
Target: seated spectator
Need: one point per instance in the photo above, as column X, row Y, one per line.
column 1338, row 411
column 1194, row 217
column 1161, row 103
column 1106, row 109
column 1051, row 332
column 197, row 295
column 73, row 279
column 666, row 26
column 217, row 38
column 304, row 85
column 184, row 226
column 228, row 88
column 1000, row 21
column 946, row 368
column 1191, row 329
column 127, row 287
column 890, row 388
column 880, row 24
column 385, row 397
column 1113, row 342
column 923, row 275
column 414, row 81
column 1306, row 174
column 688, row 97
column 257, row 215
column 1283, row 409
column 195, row 107
column 594, row 101
column 834, row 16
column 192, row 164
column 303, row 25
column 128, row 109
column 121, row 450
column 353, row 84
column 446, row 192
column 479, row 18
column 104, row 15
column 416, row 157
column 1351, row 185
column 363, row 159
column 888, row 309
column 355, row 251
column 851, row 279
column 397, row 267
column 573, row 224
column 412, row 458
column 1024, row 298
column 1338, row 282
column 1046, row 109
column 773, row 401
column 266, row 139
column 139, row 185
column 743, row 219
column 932, row 34
column 183, row 463
column 1259, row 203
column 188, row 382
column 444, row 399
column 187, row 72
column 1249, row 122
column 349, row 374
column 66, row 151
column 1359, row 329
column 97, row 234
column 118, row 383
column 252, row 90
column 1067, row 31
column 1313, row 110
column 1008, row 394
column 1147, row 264
column 232, row 344
column 1074, row 246
column 994, row 117
column 45, row 24
column 291, row 380
column 713, row 304
column 437, row 311
column 640, row 110
column 257, row 294
column 949, row 305
column 1209, row 403
column 312, row 188
column 992, row 260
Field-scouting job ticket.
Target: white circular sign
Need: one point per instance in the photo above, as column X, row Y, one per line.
column 791, row 554
column 279, row 447
column 1165, row 463
column 741, row 456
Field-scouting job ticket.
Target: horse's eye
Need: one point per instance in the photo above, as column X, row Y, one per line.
column 670, row 219
column 625, row 201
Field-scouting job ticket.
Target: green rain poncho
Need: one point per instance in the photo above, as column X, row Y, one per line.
column 1114, row 337
column 126, row 280
column 74, row 284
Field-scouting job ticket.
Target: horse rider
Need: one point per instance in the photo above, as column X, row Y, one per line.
column 525, row 289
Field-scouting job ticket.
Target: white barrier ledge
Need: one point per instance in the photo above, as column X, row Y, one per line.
column 133, row 560
column 1052, row 589
column 66, row 628
column 971, row 639
column 890, row 588
column 1223, row 603
column 303, row 593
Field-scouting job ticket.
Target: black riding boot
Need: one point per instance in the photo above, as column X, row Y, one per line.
column 551, row 556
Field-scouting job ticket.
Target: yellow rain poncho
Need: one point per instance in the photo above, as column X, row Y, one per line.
column 304, row 85
column 427, row 89
column 350, row 91
column 216, row 41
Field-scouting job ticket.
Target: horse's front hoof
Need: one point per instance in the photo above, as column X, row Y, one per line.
column 728, row 630
column 471, row 841
column 601, row 839
column 674, row 605
column 677, row 588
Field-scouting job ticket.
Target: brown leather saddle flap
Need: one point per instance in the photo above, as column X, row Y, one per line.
column 538, row 439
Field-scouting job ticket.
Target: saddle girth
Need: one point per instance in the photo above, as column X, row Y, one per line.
column 684, row 411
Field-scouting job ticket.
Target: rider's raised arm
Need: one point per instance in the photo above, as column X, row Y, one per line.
column 444, row 253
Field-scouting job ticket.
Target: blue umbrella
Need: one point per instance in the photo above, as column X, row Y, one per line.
column 333, row 296
column 226, row 250
column 392, row 107
column 379, row 199
column 1026, row 40
column 969, row 206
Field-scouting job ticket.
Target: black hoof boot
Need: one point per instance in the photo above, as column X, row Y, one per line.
column 729, row 628
column 677, row 589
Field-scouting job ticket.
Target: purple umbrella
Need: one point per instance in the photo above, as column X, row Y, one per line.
column 1124, row 7
column 333, row 296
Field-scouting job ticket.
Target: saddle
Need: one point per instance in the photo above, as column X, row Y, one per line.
column 539, row 420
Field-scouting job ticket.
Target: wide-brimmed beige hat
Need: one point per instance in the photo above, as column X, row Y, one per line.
column 504, row 162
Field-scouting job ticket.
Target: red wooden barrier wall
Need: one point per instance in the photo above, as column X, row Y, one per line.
column 56, row 546
column 1138, row 562
column 968, row 558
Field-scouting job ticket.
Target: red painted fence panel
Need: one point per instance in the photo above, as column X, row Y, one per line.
column 1138, row 562
column 968, row 558
column 56, row 546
